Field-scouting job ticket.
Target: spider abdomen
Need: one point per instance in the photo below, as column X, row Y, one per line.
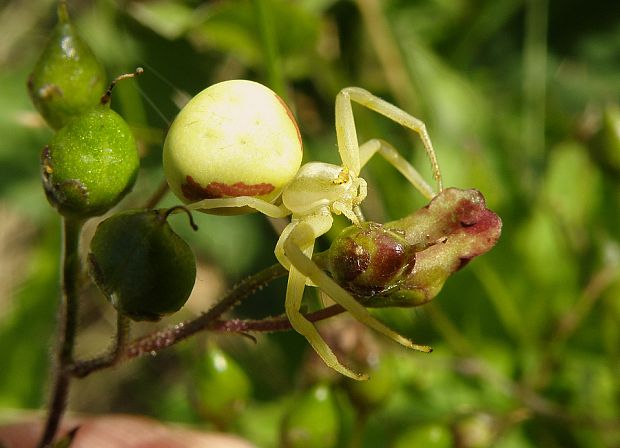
column 235, row 138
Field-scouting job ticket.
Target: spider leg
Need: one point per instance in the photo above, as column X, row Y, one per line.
column 266, row 208
column 343, row 298
column 300, row 242
column 303, row 264
column 345, row 127
column 389, row 153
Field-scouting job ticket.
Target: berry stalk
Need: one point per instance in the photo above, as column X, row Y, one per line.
column 68, row 317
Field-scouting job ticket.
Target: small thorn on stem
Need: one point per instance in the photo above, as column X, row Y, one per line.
column 107, row 96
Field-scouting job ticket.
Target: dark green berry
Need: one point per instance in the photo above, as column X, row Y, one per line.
column 67, row 79
column 144, row 269
column 90, row 164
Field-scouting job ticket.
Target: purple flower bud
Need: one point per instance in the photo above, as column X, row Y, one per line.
column 452, row 229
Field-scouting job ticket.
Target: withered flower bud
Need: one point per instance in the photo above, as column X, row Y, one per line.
column 454, row 228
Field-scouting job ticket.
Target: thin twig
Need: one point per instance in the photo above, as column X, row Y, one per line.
column 271, row 53
column 570, row 320
column 157, row 196
column 538, row 404
column 80, row 369
column 153, row 343
column 280, row 323
column 386, row 47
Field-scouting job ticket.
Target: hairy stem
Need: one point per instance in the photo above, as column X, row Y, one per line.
column 68, row 316
column 153, row 343
column 280, row 323
column 170, row 336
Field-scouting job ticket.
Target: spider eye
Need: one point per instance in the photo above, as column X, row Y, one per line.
column 343, row 177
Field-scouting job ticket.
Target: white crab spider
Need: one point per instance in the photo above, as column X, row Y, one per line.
column 316, row 192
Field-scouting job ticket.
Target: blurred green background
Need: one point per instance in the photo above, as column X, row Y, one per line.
column 521, row 101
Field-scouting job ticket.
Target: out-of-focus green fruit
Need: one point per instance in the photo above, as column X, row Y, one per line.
column 67, row 79
column 428, row 436
column 606, row 143
column 313, row 421
column 90, row 164
column 371, row 394
column 144, row 269
column 222, row 387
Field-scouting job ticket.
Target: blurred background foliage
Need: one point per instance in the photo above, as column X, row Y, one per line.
column 521, row 101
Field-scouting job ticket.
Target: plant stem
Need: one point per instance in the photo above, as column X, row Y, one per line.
column 534, row 90
column 68, row 316
column 82, row 368
column 280, row 323
column 157, row 196
column 153, row 343
column 273, row 63
column 386, row 47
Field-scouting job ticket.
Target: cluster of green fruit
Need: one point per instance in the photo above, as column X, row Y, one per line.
column 144, row 269
column 315, row 417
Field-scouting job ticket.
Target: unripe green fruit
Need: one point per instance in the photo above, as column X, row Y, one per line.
column 606, row 142
column 313, row 421
column 67, row 79
column 369, row 395
column 144, row 269
column 369, row 259
column 430, row 435
column 235, row 138
column 223, row 388
column 90, row 164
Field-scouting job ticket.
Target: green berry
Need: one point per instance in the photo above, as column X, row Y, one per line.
column 90, row 164
column 430, row 435
column 223, row 388
column 313, row 421
column 606, row 142
column 369, row 395
column 370, row 259
column 67, row 79
column 235, row 138
column 144, row 269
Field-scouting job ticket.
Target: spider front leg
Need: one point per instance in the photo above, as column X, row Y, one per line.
column 302, row 267
column 389, row 153
column 300, row 241
column 355, row 157
column 264, row 207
